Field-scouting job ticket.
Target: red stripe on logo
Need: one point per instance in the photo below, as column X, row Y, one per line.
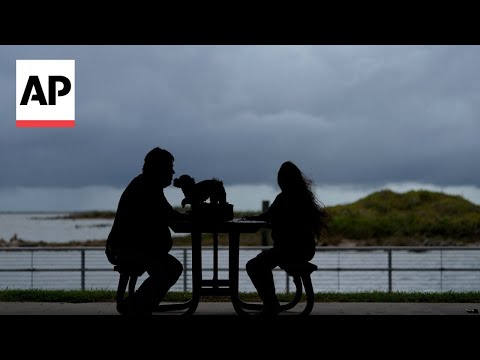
column 46, row 123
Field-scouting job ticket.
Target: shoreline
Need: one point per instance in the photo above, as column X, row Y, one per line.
column 185, row 241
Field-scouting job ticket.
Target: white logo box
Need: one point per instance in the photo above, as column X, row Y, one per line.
column 57, row 111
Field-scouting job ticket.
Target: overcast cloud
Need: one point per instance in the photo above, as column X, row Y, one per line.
column 347, row 115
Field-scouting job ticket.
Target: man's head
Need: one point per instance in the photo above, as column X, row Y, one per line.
column 159, row 164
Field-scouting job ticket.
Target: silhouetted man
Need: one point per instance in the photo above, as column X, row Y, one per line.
column 140, row 237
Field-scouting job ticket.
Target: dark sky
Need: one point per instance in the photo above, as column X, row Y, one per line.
column 345, row 114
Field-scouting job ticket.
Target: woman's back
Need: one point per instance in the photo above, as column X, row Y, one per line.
column 291, row 219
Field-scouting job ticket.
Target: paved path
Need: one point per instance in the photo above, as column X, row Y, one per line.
column 226, row 309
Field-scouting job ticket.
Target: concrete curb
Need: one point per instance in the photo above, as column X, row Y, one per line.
column 226, row 309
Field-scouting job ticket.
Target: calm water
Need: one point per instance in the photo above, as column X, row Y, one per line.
column 38, row 227
column 41, row 227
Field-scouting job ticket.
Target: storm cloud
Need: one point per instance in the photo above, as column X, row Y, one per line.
column 345, row 114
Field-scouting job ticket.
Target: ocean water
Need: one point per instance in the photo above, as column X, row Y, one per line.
column 38, row 227
column 42, row 227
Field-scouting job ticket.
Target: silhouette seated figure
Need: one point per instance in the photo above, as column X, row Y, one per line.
column 301, row 274
column 297, row 220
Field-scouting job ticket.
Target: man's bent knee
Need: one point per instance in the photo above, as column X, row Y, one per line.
column 252, row 266
column 176, row 267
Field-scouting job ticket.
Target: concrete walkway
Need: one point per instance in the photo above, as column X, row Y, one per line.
column 226, row 309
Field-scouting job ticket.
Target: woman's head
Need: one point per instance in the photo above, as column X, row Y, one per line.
column 292, row 181
column 290, row 178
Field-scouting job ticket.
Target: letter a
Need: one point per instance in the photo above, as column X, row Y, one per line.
column 33, row 82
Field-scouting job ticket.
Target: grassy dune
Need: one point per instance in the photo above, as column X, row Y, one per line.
column 413, row 218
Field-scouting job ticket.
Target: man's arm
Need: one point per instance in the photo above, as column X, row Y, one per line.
column 179, row 216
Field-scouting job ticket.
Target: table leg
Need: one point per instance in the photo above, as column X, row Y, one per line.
column 196, row 271
column 215, row 261
column 233, row 263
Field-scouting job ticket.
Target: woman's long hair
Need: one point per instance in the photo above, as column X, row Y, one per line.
column 292, row 180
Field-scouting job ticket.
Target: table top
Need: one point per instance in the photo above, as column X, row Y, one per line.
column 235, row 225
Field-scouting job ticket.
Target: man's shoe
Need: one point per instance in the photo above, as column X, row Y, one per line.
column 122, row 308
column 268, row 311
column 126, row 306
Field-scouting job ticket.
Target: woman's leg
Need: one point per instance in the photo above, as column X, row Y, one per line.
column 259, row 270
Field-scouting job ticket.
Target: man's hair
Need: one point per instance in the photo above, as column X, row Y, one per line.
column 156, row 160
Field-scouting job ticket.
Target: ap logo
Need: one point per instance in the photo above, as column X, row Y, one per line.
column 45, row 93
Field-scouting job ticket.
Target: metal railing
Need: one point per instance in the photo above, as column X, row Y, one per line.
column 380, row 268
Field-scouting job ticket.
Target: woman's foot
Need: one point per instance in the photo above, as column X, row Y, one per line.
column 270, row 310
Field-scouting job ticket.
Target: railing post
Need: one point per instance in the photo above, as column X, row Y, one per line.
column 31, row 269
column 441, row 270
column 83, row 270
column 389, row 270
column 338, row 271
column 264, row 233
column 288, row 283
column 185, row 270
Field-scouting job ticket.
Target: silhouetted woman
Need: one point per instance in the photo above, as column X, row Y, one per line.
column 297, row 220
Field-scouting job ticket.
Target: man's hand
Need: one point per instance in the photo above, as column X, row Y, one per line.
column 179, row 216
